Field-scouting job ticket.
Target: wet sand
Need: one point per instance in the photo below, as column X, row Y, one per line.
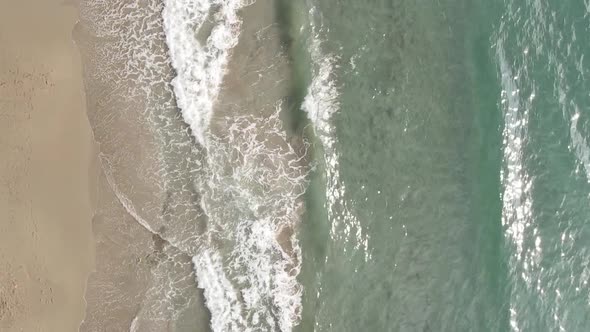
column 47, row 169
column 145, row 203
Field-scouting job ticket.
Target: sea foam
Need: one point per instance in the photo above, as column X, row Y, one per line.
column 321, row 103
column 200, row 61
column 248, row 274
column 253, row 181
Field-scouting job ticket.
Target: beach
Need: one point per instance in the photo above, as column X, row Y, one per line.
column 48, row 169
column 293, row 166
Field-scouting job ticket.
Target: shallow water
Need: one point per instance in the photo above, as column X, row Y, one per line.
column 462, row 145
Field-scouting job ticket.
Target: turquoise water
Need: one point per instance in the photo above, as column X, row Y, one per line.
column 462, row 146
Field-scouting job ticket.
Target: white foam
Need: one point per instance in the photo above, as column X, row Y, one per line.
column 200, row 65
column 265, row 286
column 265, row 282
column 270, row 271
column 322, row 99
column 321, row 103
column 220, row 295
column 250, row 279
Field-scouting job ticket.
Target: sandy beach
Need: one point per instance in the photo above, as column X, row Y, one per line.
column 47, row 169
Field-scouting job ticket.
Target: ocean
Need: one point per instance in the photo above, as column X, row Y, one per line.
column 322, row 165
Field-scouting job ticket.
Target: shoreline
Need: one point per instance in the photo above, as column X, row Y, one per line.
column 137, row 124
column 142, row 280
column 49, row 170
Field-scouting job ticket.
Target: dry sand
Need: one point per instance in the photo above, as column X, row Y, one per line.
column 47, row 170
